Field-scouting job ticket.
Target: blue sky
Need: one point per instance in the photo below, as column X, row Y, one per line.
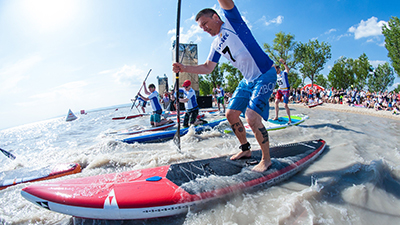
column 56, row 55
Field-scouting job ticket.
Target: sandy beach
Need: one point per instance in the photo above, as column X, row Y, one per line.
column 351, row 109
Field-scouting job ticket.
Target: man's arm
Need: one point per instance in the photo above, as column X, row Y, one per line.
column 145, row 89
column 284, row 64
column 226, row 4
column 205, row 68
column 183, row 100
column 144, row 98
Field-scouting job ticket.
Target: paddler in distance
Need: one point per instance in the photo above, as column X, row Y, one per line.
column 153, row 97
column 191, row 106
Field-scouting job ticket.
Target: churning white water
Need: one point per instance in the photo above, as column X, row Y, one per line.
column 356, row 180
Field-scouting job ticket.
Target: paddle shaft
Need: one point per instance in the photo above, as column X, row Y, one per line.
column 133, row 103
column 177, row 138
column 8, row 154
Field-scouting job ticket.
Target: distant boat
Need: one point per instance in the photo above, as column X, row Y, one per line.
column 71, row 116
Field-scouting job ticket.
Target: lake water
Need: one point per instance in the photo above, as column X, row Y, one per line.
column 355, row 181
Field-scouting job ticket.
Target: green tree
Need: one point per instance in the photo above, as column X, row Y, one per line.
column 321, row 81
column 341, row 74
column 382, row 78
column 209, row 81
column 361, row 69
column 392, row 42
column 294, row 79
column 233, row 76
column 283, row 47
column 205, row 87
column 312, row 57
column 397, row 89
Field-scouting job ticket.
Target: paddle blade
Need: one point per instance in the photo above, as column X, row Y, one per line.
column 8, row 154
column 177, row 141
column 134, row 101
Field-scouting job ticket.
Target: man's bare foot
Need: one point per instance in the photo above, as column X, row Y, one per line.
column 276, row 118
column 241, row 155
column 262, row 166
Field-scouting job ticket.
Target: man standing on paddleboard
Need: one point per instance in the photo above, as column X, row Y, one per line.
column 142, row 103
column 284, row 89
column 220, row 97
column 191, row 106
column 236, row 43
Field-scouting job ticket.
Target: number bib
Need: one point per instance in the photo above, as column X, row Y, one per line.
column 236, row 43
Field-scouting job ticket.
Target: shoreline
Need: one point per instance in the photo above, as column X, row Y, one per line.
column 350, row 109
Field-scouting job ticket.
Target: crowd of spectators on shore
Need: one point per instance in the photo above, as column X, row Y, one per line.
column 387, row 101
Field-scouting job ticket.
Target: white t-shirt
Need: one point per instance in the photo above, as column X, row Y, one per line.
column 154, row 101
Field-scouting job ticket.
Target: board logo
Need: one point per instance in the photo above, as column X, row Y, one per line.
column 111, row 202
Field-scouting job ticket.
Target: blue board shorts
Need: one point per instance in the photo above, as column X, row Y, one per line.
column 156, row 116
column 255, row 95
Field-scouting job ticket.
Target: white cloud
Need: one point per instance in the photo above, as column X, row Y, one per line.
column 68, row 92
column 106, row 72
column 368, row 28
column 330, row 31
column 192, row 18
column 277, row 20
column 128, row 75
column 394, row 86
column 247, row 22
column 193, row 34
column 11, row 75
column 343, row 35
column 376, row 63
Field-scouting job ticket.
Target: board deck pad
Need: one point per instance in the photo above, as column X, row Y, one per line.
column 285, row 119
column 280, row 123
column 223, row 166
column 171, row 189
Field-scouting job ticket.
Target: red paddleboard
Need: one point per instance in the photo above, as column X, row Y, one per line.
column 127, row 117
column 22, row 175
column 171, row 189
column 209, row 110
column 314, row 104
